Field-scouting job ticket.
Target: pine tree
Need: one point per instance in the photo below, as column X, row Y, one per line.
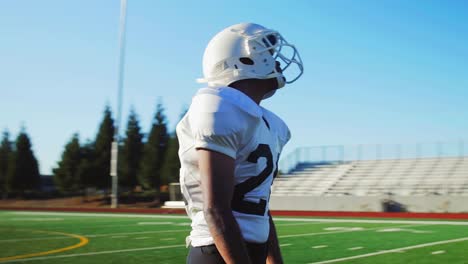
column 86, row 168
column 66, row 175
column 23, row 169
column 102, row 151
column 171, row 165
column 131, row 153
column 154, row 151
column 5, row 151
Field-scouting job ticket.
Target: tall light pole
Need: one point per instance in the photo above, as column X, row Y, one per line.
column 115, row 143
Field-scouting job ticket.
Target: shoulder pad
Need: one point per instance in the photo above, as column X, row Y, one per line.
column 221, row 99
column 278, row 124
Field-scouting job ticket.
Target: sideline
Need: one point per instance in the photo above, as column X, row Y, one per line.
column 83, row 242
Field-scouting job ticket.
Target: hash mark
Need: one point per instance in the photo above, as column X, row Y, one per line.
column 320, row 246
column 355, row 248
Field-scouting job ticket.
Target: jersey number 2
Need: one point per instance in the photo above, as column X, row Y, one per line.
column 247, row 207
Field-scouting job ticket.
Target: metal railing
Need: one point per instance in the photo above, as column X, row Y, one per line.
column 343, row 153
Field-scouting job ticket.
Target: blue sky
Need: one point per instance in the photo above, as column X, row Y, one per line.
column 375, row 71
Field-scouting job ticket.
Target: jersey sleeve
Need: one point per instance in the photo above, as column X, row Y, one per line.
column 217, row 124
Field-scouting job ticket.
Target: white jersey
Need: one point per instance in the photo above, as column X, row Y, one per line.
column 226, row 120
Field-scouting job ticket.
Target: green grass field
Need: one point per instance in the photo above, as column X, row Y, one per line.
column 49, row 237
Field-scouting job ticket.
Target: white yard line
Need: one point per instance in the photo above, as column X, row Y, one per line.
column 92, row 253
column 371, row 221
column 438, row 252
column 318, row 233
column 155, row 223
column 392, row 229
column 277, row 219
column 103, row 215
column 92, row 235
column 297, row 224
column 32, row 239
column 98, row 226
column 395, row 250
column 342, row 231
column 44, row 219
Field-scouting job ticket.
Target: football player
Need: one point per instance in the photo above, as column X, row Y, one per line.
column 230, row 146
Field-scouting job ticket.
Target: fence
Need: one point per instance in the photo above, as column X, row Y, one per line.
column 342, row 153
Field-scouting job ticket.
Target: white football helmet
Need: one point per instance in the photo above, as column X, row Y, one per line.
column 249, row 51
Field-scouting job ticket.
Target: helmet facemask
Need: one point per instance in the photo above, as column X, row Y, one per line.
column 272, row 43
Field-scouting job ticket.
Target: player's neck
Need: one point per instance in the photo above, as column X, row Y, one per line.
column 254, row 93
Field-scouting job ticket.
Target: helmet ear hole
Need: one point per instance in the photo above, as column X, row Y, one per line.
column 246, row 61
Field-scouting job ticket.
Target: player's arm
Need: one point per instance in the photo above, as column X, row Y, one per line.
column 274, row 252
column 217, row 181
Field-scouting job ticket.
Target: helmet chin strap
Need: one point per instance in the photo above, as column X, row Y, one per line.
column 281, row 81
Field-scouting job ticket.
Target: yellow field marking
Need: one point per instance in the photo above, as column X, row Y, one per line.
column 83, row 241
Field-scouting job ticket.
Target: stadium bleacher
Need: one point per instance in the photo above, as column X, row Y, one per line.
column 403, row 177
